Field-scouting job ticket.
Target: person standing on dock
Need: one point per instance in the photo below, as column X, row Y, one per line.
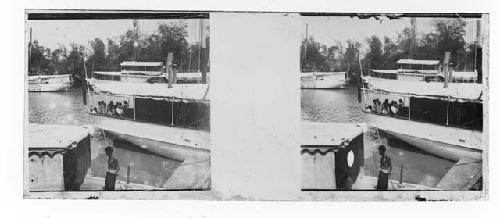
column 385, row 169
column 112, row 171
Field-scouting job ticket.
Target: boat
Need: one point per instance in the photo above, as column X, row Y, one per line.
column 444, row 121
column 323, row 80
column 424, row 71
column 38, row 82
column 49, row 83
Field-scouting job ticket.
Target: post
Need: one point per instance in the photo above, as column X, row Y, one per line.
column 84, row 84
column 203, row 53
column 128, row 174
column 401, row 175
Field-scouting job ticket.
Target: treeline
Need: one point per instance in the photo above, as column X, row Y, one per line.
column 107, row 55
column 384, row 53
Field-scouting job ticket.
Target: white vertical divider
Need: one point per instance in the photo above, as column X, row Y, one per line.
column 255, row 105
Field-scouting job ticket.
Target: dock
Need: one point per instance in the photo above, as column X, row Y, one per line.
column 59, row 157
column 463, row 176
column 332, row 155
column 370, row 183
column 97, row 183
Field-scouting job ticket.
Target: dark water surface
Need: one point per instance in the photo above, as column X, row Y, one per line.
column 68, row 108
column 341, row 106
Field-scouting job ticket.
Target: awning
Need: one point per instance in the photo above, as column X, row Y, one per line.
column 329, row 134
column 464, row 75
column 385, row 71
column 140, row 64
column 418, row 62
column 464, row 91
column 196, row 92
column 52, row 139
column 108, row 73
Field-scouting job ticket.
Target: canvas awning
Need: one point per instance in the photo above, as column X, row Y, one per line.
column 109, row 73
column 195, row 92
column 385, row 71
column 465, row 75
column 418, row 62
column 54, row 138
column 147, row 64
column 463, row 91
column 329, row 134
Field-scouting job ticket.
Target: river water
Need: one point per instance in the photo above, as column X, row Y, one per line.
column 68, row 108
column 341, row 106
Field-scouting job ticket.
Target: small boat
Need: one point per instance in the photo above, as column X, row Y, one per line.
column 49, row 83
column 323, row 80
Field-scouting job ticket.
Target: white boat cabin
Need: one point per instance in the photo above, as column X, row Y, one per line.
column 142, row 68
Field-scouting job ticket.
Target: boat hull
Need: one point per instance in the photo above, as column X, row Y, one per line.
column 447, row 142
column 54, row 87
column 49, row 83
column 323, row 81
column 176, row 143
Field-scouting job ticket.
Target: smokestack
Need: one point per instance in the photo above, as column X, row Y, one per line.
column 168, row 67
column 446, row 69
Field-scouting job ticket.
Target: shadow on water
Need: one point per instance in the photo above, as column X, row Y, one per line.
column 67, row 108
column 341, row 106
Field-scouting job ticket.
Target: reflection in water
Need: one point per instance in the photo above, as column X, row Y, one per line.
column 68, row 108
column 342, row 106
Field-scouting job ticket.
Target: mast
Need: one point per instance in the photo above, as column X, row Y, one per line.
column 203, row 54
column 478, row 52
column 305, row 48
column 413, row 22
column 136, row 39
column 29, row 51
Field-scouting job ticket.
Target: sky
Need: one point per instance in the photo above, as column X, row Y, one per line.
column 53, row 33
column 327, row 30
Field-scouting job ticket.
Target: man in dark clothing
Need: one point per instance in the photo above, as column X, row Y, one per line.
column 385, row 169
column 112, row 171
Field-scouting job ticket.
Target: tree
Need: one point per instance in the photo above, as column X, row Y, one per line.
column 351, row 56
column 98, row 57
column 450, row 38
column 374, row 56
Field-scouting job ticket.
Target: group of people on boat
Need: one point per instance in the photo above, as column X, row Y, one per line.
column 111, row 109
column 392, row 108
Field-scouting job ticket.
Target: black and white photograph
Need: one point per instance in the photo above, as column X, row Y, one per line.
column 393, row 102
column 117, row 101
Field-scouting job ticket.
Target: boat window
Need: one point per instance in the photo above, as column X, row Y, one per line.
column 183, row 114
column 451, row 113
